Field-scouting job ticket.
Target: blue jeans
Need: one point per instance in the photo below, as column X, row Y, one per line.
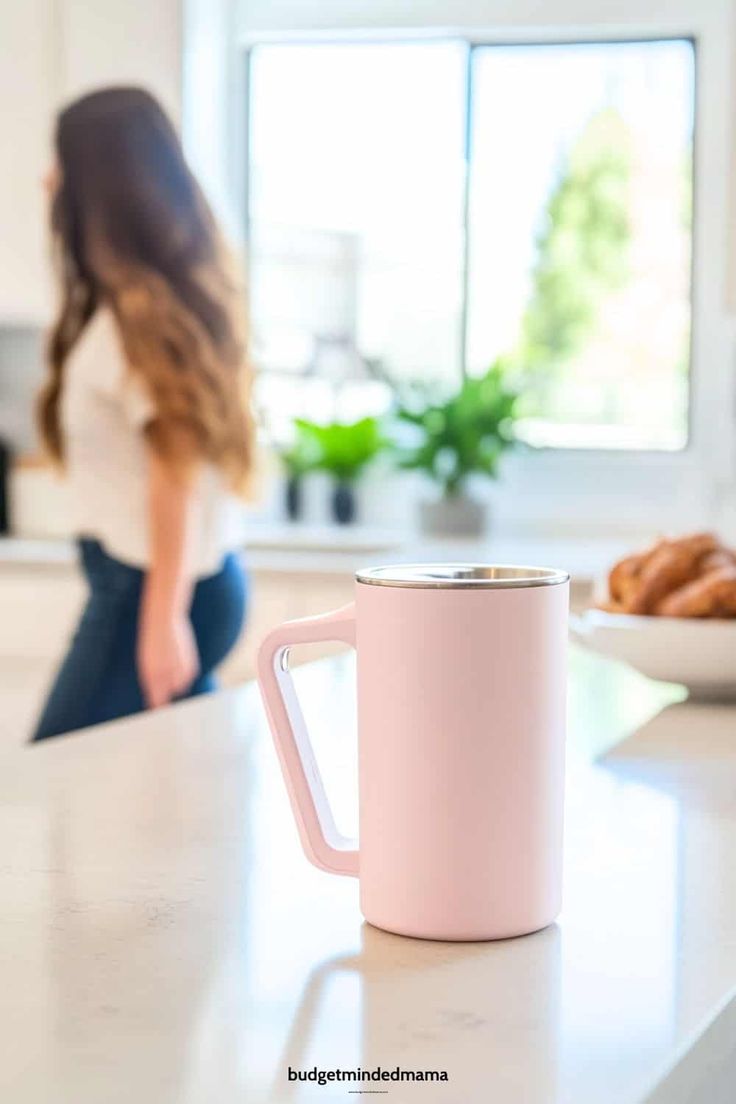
column 98, row 680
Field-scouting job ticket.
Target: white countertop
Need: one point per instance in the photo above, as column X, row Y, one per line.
column 333, row 549
column 164, row 941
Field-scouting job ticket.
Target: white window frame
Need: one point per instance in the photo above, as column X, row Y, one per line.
column 581, row 491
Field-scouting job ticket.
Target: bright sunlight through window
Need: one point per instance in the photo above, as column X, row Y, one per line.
column 420, row 210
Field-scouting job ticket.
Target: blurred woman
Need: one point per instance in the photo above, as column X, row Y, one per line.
column 145, row 410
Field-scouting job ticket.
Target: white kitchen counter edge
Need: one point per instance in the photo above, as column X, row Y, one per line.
column 328, row 550
column 705, row 1066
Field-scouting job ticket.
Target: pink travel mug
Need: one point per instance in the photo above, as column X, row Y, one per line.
column 461, row 731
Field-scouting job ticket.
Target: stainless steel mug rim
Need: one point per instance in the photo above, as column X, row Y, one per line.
column 469, row 576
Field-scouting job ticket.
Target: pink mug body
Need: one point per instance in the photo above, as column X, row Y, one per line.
column 461, row 731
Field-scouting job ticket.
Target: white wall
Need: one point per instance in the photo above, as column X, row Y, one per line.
column 213, row 94
column 120, row 41
column 28, row 64
column 259, row 17
column 50, row 51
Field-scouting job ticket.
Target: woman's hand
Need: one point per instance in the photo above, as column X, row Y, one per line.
column 167, row 656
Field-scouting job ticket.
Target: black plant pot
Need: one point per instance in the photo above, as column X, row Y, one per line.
column 4, row 488
column 293, row 497
column 343, row 503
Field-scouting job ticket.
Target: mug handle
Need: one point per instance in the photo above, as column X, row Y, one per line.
column 322, row 842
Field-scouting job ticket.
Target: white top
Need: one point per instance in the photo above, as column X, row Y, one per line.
column 165, row 939
column 104, row 409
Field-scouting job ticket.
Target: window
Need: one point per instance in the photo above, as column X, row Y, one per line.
column 417, row 210
column 356, row 219
column 579, row 236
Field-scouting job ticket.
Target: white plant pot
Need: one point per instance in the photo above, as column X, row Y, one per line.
column 453, row 516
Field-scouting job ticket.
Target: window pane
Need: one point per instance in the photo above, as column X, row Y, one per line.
column 580, row 230
column 356, row 196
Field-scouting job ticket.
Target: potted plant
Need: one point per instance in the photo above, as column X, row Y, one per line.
column 464, row 435
column 344, row 450
column 298, row 459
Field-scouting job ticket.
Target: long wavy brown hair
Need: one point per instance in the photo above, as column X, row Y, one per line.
column 132, row 231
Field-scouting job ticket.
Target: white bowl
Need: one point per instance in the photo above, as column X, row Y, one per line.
column 700, row 654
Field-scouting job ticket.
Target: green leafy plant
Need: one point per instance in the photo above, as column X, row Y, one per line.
column 466, row 434
column 343, row 449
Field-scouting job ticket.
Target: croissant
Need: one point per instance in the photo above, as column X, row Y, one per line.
column 720, row 557
column 623, row 579
column 670, row 565
column 692, row 576
column 710, row 595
